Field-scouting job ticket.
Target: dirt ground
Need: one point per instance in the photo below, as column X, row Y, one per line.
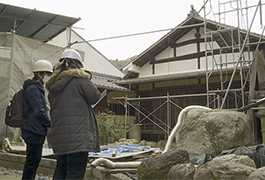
column 7, row 174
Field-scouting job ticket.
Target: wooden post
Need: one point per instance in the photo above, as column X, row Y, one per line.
column 252, row 84
column 261, row 77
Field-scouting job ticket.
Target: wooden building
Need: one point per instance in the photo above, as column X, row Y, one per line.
column 199, row 62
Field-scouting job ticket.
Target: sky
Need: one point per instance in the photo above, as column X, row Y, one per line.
column 112, row 18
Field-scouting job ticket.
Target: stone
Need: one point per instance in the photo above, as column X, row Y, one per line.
column 151, row 143
column 226, row 167
column 157, row 167
column 182, row 171
column 212, row 131
column 142, row 143
column 126, row 141
column 161, row 143
column 257, row 174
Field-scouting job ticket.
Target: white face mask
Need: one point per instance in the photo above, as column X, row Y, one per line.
column 45, row 79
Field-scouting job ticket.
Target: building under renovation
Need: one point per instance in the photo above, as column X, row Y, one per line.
column 27, row 35
column 202, row 61
column 199, row 62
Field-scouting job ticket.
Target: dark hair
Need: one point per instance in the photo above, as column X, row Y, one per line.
column 70, row 63
column 36, row 77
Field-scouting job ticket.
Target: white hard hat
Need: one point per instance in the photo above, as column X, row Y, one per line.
column 71, row 54
column 42, row 66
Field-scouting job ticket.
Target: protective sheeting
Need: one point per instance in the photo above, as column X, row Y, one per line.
column 256, row 153
column 115, row 150
column 17, row 56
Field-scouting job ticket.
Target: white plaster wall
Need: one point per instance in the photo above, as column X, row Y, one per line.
column 228, row 60
column 184, row 50
column 190, row 65
column 146, row 70
column 162, row 68
column 183, row 66
column 188, row 36
column 209, row 46
column 203, row 63
column 176, row 67
column 167, row 53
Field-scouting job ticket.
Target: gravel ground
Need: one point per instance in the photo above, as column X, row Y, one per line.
column 8, row 174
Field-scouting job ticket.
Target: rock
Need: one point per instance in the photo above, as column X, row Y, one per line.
column 122, row 140
column 133, row 141
column 148, row 143
column 212, row 131
column 151, row 143
column 182, row 171
column 161, row 143
column 126, row 141
column 226, row 167
column 257, row 174
column 157, row 167
column 142, row 143
column 201, row 159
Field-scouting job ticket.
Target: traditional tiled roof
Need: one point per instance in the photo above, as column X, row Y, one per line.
column 107, row 82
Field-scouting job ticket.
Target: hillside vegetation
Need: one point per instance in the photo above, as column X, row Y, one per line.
column 121, row 63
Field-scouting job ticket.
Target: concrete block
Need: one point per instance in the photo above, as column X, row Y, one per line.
column 16, row 162
column 45, row 171
column 49, row 163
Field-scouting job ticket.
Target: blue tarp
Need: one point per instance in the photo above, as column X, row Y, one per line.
column 120, row 148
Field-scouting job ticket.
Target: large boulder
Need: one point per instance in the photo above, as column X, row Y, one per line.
column 257, row 174
column 182, row 171
column 157, row 167
column 226, row 167
column 212, row 131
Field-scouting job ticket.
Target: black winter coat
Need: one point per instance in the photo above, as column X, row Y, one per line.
column 74, row 126
column 35, row 128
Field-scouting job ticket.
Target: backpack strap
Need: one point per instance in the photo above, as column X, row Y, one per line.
column 28, row 113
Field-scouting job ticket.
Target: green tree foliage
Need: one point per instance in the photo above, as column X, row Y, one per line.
column 110, row 129
column 121, row 63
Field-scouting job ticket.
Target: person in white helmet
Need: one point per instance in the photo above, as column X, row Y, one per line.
column 74, row 130
column 34, row 130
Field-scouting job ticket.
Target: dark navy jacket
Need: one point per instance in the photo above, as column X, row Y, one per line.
column 35, row 128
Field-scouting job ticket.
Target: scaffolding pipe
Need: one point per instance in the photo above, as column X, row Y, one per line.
column 239, row 59
column 126, row 117
column 110, row 164
column 165, row 97
column 115, row 171
column 206, row 58
column 177, row 126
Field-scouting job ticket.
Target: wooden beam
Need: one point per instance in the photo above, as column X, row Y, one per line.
column 172, row 43
column 150, row 58
column 260, row 69
column 185, row 57
column 195, row 55
column 192, row 41
column 251, row 96
column 198, row 35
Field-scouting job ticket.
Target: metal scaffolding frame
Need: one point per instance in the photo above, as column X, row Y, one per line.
column 232, row 39
column 242, row 63
column 167, row 100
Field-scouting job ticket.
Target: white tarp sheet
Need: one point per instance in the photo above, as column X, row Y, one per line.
column 17, row 56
